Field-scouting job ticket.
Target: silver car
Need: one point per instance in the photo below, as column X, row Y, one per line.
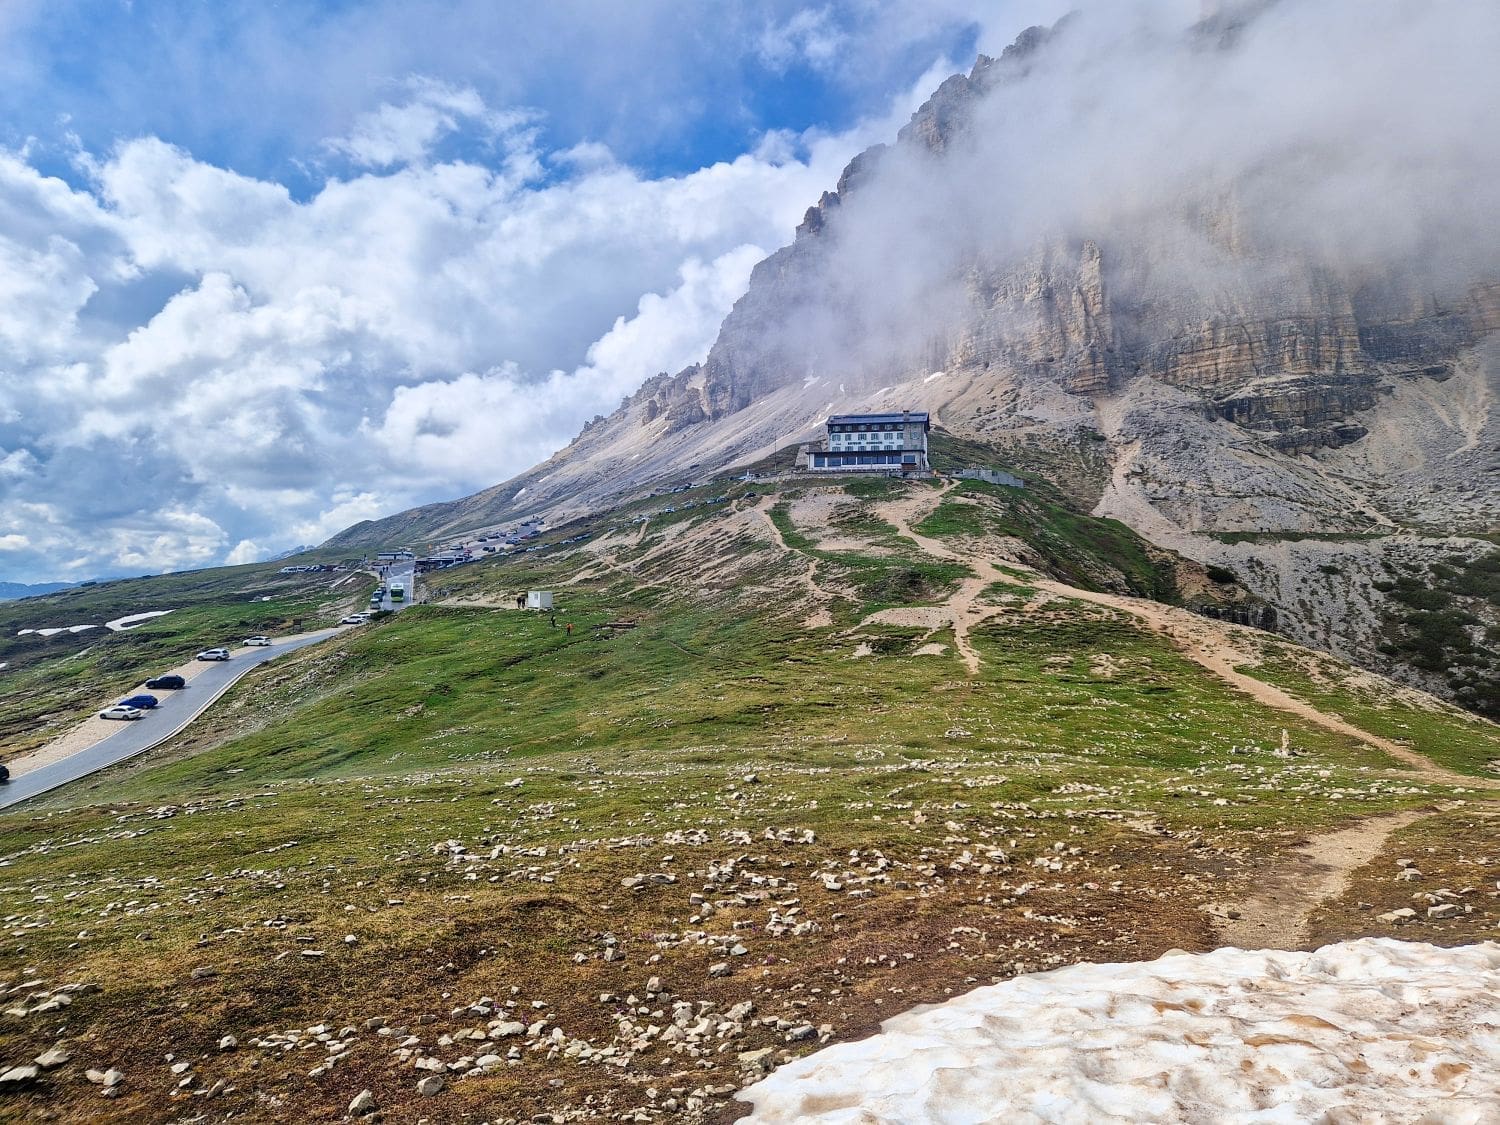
column 120, row 711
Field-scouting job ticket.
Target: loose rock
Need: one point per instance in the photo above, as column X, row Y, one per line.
column 53, row 1056
column 363, row 1103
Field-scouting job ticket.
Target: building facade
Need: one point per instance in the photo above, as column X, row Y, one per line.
column 884, row 443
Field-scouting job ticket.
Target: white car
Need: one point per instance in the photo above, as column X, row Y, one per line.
column 120, row 711
column 353, row 619
column 258, row 642
column 214, row 654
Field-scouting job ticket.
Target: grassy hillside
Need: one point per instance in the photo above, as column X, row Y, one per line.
column 48, row 683
column 466, row 839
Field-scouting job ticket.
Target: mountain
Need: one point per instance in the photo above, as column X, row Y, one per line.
column 11, row 590
column 1217, row 355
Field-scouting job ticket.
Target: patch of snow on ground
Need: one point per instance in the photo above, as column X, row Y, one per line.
column 134, row 619
column 1369, row 1030
column 934, row 375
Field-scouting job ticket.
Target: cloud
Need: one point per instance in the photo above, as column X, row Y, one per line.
column 203, row 365
column 1262, row 154
column 409, row 132
column 245, row 551
column 482, row 426
column 810, row 35
column 663, row 83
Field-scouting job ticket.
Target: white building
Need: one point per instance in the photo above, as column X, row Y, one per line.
column 539, row 599
column 888, row 443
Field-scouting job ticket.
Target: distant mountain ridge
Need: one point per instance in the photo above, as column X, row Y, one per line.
column 9, row 591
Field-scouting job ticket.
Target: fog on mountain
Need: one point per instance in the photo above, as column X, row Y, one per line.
column 1299, row 153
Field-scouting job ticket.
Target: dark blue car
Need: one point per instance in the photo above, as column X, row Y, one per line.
column 144, row 702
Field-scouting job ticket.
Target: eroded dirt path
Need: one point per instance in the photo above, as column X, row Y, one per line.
column 963, row 608
column 822, row 616
column 1208, row 644
column 1276, row 916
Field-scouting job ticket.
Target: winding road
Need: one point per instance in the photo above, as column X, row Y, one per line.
column 176, row 709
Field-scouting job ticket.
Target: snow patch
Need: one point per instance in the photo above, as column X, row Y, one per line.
column 122, row 623
column 1368, row 1030
column 117, row 625
column 934, row 375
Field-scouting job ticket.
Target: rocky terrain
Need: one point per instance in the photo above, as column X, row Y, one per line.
column 809, row 758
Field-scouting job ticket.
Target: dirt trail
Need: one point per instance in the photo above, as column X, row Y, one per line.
column 822, row 616
column 1277, row 915
column 1209, row 646
column 962, row 608
column 1205, row 643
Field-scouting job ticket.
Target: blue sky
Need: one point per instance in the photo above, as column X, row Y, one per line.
column 251, row 253
column 257, row 86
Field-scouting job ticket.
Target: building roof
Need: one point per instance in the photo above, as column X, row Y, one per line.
column 884, row 419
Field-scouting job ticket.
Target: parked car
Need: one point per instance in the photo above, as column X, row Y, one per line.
column 353, row 619
column 172, row 683
column 120, row 711
column 4, row 773
column 214, row 654
column 139, row 702
column 258, row 642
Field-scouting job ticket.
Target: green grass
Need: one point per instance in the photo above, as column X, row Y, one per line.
column 1083, row 550
column 904, row 576
column 436, row 688
column 1451, row 737
column 1447, row 623
column 716, row 740
column 52, row 682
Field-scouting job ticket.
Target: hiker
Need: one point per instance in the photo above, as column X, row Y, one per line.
column 554, row 621
column 521, row 601
column 570, row 628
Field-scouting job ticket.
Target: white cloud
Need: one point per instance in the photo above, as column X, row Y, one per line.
column 205, row 367
column 810, row 35
column 245, row 551
column 408, row 133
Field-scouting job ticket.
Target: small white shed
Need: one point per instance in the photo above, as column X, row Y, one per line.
column 539, row 599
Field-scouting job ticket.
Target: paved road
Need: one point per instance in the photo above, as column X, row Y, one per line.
column 176, row 710
column 405, row 573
